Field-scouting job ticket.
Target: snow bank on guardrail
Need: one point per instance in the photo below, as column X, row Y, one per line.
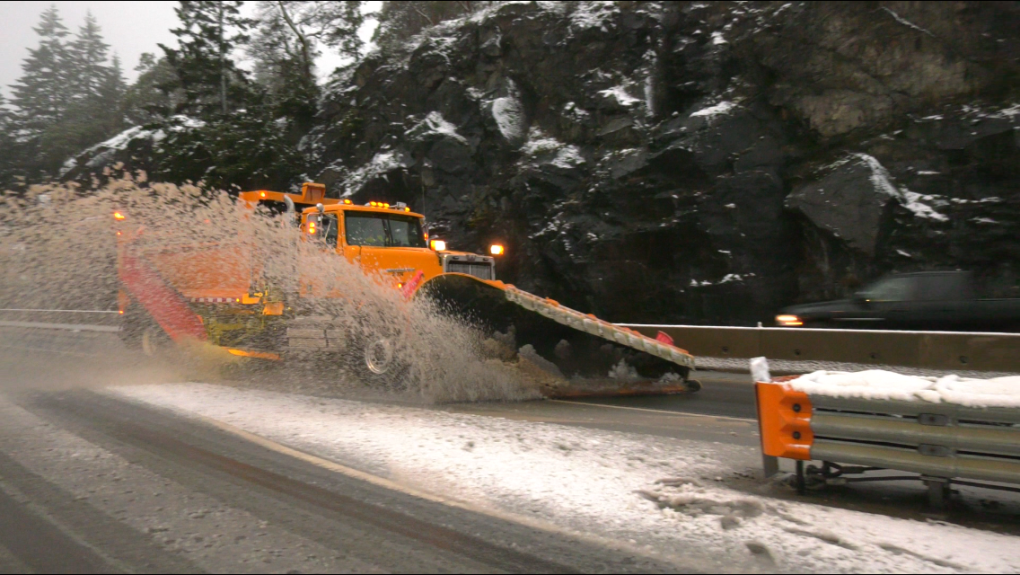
column 877, row 384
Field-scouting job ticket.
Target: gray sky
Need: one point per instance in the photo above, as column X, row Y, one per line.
column 130, row 28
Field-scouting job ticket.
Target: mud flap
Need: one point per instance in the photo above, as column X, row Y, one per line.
column 572, row 354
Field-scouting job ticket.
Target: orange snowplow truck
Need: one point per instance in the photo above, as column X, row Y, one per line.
column 212, row 293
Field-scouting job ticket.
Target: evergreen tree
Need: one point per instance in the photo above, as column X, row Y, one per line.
column 113, row 87
column 286, row 43
column 210, row 80
column 41, row 94
column 152, row 97
column 68, row 97
column 87, row 61
column 245, row 150
column 9, row 150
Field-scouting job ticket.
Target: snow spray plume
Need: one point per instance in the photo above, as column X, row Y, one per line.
column 58, row 250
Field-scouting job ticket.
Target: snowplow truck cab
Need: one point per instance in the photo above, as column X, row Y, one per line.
column 573, row 354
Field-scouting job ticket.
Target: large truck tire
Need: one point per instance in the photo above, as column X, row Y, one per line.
column 374, row 358
column 132, row 326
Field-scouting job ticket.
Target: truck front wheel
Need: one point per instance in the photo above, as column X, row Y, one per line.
column 377, row 363
column 155, row 342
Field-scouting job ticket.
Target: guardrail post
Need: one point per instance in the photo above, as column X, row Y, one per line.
column 938, row 492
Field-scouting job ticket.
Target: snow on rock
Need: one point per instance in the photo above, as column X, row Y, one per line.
column 106, row 151
column 663, row 493
column 379, row 166
column 907, row 23
column 540, row 146
column 711, row 112
column 434, row 123
column 912, row 201
column 593, row 15
column 877, row 384
column 619, row 95
column 508, row 111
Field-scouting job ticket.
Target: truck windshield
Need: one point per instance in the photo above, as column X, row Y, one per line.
column 383, row 230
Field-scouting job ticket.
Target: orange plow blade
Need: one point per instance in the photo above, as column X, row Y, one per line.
column 571, row 354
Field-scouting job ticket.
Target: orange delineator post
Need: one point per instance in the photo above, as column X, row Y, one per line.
column 163, row 303
column 784, row 419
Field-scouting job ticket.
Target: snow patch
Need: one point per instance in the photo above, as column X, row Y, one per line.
column 508, row 111
column 380, row 164
column 710, row 113
column 565, row 155
column 589, row 15
column 620, row 95
column 434, row 123
column 880, row 179
column 717, row 38
column 907, row 23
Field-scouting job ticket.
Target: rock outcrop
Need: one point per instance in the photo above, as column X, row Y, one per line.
column 684, row 162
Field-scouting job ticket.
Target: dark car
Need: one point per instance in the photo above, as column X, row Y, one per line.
column 924, row 301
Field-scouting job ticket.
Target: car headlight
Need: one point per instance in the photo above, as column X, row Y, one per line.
column 787, row 320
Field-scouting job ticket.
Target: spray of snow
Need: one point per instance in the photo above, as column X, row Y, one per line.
column 242, row 246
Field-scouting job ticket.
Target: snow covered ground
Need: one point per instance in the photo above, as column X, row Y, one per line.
column 659, row 494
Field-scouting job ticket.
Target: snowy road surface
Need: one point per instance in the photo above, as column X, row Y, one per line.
column 104, row 470
column 91, row 484
column 658, row 494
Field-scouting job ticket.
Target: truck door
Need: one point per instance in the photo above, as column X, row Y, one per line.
column 390, row 244
column 885, row 304
column 943, row 300
column 325, row 231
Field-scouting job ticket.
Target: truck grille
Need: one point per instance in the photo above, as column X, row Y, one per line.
column 481, row 270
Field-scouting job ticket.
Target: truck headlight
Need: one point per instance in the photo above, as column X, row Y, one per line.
column 789, row 320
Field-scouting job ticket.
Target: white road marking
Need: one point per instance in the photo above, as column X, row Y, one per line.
column 657, row 411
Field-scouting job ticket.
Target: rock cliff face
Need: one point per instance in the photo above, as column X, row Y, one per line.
column 698, row 162
column 686, row 162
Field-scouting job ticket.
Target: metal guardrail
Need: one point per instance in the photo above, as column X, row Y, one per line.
column 61, row 319
column 942, row 442
column 999, row 352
